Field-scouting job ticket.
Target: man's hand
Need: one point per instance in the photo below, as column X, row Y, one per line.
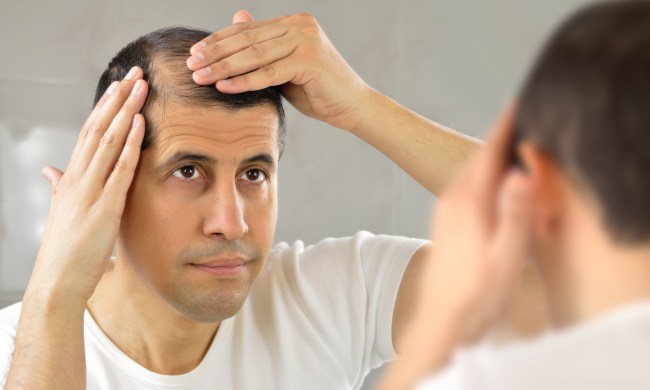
column 88, row 201
column 482, row 235
column 293, row 51
column 85, row 213
column 251, row 55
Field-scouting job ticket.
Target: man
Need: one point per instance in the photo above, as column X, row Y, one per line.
column 579, row 208
column 196, row 297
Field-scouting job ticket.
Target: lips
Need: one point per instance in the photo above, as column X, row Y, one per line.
column 222, row 266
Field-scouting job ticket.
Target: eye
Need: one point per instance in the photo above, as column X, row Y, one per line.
column 186, row 172
column 254, row 175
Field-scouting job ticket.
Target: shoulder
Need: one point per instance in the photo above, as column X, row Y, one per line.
column 363, row 259
column 362, row 245
column 612, row 352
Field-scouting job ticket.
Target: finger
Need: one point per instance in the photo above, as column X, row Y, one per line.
column 230, row 31
column 277, row 73
column 514, row 230
column 242, row 16
column 121, row 177
column 94, row 131
column 224, row 58
column 493, row 157
column 53, row 176
column 113, row 141
column 91, row 118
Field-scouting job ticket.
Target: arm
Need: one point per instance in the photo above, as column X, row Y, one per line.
column 294, row 52
column 429, row 152
column 483, row 230
column 87, row 205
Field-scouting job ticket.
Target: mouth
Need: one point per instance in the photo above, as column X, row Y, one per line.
column 222, row 267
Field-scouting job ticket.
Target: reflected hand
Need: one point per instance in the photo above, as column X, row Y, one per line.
column 88, row 201
column 291, row 51
column 483, row 229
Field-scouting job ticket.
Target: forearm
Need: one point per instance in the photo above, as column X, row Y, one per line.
column 49, row 349
column 429, row 152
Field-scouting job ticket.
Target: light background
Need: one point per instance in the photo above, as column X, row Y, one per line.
column 458, row 62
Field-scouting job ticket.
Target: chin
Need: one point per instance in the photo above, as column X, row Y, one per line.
column 214, row 307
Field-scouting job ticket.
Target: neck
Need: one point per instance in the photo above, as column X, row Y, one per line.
column 598, row 277
column 156, row 336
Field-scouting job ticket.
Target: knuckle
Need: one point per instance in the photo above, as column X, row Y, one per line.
column 268, row 71
column 107, row 139
column 224, row 65
column 121, row 166
column 306, row 18
column 95, row 128
column 215, row 36
column 214, row 48
column 257, row 50
column 249, row 35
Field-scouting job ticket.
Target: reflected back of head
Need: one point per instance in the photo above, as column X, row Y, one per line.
column 587, row 104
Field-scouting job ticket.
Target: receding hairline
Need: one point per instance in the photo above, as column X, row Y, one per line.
column 162, row 55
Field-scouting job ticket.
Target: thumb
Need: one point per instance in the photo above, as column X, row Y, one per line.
column 52, row 175
column 242, row 16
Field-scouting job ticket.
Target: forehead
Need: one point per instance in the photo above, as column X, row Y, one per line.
column 214, row 130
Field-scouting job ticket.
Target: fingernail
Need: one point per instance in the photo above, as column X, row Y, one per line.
column 136, row 121
column 111, row 88
column 205, row 72
column 197, row 47
column 196, row 59
column 137, row 87
column 131, row 73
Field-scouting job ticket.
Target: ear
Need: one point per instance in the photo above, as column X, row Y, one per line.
column 548, row 185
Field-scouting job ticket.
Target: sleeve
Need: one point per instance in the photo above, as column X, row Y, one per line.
column 7, row 339
column 349, row 288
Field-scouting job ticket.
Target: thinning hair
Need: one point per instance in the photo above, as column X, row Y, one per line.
column 162, row 54
column 587, row 104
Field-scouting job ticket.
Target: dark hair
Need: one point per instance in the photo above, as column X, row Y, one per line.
column 161, row 55
column 587, row 104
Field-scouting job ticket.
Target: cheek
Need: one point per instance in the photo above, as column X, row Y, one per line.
column 261, row 217
column 154, row 215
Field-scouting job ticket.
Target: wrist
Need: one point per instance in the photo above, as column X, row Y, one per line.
column 368, row 104
column 53, row 294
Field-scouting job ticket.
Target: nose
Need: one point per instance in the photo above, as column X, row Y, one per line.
column 225, row 216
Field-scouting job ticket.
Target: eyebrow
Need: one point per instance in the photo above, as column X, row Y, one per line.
column 263, row 158
column 181, row 156
column 187, row 156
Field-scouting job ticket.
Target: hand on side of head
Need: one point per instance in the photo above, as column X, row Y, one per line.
column 88, row 200
column 482, row 234
column 291, row 51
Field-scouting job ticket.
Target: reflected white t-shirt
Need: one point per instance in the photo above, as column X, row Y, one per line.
column 609, row 353
column 318, row 317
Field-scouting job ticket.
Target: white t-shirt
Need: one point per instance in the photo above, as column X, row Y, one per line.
column 318, row 317
column 612, row 352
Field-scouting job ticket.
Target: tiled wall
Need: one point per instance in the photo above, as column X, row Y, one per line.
column 455, row 61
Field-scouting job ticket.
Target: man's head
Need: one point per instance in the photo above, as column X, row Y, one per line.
column 200, row 215
column 586, row 109
column 161, row 54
